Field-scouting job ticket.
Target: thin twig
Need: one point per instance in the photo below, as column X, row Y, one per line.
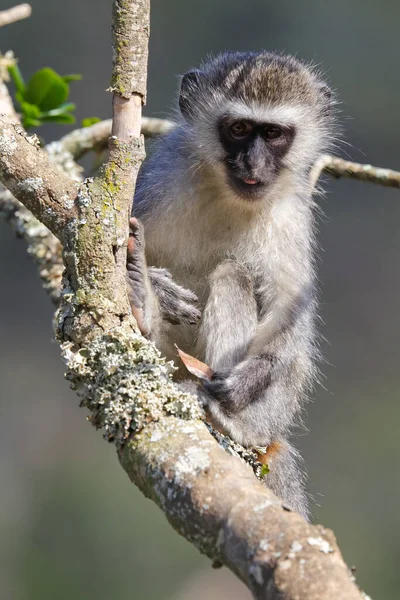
column 338, row 167
column 17, row 13
column 95, row 137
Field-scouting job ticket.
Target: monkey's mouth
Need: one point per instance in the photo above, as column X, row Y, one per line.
column 247, row 188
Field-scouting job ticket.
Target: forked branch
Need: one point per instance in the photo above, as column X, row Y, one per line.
column 210, row 497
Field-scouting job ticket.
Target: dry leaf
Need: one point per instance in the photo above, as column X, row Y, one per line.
column 195, row 366
column 262, row 457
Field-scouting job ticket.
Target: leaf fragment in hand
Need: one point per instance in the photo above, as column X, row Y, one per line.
column 195, row 366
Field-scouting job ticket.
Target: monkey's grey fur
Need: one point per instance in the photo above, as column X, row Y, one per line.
column 226, row 205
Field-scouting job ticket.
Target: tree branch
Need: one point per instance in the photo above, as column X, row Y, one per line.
column 95, row 137
column 129, row 77
column 219, row 506
column 6, row 105
column 26, row 171
column 17, row 13
column 208, row 496
column 42, row 245
column 338, row 167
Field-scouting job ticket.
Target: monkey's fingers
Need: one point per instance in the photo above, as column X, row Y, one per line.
column 157, row 272
column 177, row 311
column 177, row 304
column 136, row 295
column 139, row 317
column 136, row 235
column 136, row 269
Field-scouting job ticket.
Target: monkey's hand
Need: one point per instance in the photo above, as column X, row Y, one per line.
column 177, row 304
column 234, row 389
column 152, row 290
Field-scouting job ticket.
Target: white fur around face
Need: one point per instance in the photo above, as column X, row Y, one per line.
column 310, row 133
column 263, row 113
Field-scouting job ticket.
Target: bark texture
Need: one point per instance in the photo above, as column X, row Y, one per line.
column 26, row 171
column 219, row 506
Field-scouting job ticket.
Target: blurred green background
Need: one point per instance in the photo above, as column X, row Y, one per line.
column 71, row 524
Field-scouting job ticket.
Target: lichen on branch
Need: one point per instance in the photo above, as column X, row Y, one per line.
column 125, row 384
column 26, row 170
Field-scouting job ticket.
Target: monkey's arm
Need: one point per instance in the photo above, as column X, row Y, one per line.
column 153, row 295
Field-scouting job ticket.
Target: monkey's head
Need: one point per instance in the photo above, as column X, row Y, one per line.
column 258, row 119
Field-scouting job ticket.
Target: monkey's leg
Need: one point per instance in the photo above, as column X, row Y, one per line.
column 227, row 328
column 229, row 318
column 247, row 391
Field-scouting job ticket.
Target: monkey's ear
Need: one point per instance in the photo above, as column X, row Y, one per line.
column 327, row 96
column 326, row 91
column 190, row 86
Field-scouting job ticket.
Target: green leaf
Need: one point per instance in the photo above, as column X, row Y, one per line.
column 46, row 89
column 29, row 122
column 30, row 110
column 72, row 77
column 65, row 118
column 17, row 78
column 63, row 108
column 90, row 121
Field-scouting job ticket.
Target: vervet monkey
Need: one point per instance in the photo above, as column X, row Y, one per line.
column 226, row 206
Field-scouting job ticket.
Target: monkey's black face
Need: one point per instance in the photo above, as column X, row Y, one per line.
column 254, row 154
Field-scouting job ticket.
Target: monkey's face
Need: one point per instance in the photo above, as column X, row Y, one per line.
column 254, row 153
column 256, row 121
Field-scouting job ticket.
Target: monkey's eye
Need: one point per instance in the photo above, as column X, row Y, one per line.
column 240, row 129
column 272, row 132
